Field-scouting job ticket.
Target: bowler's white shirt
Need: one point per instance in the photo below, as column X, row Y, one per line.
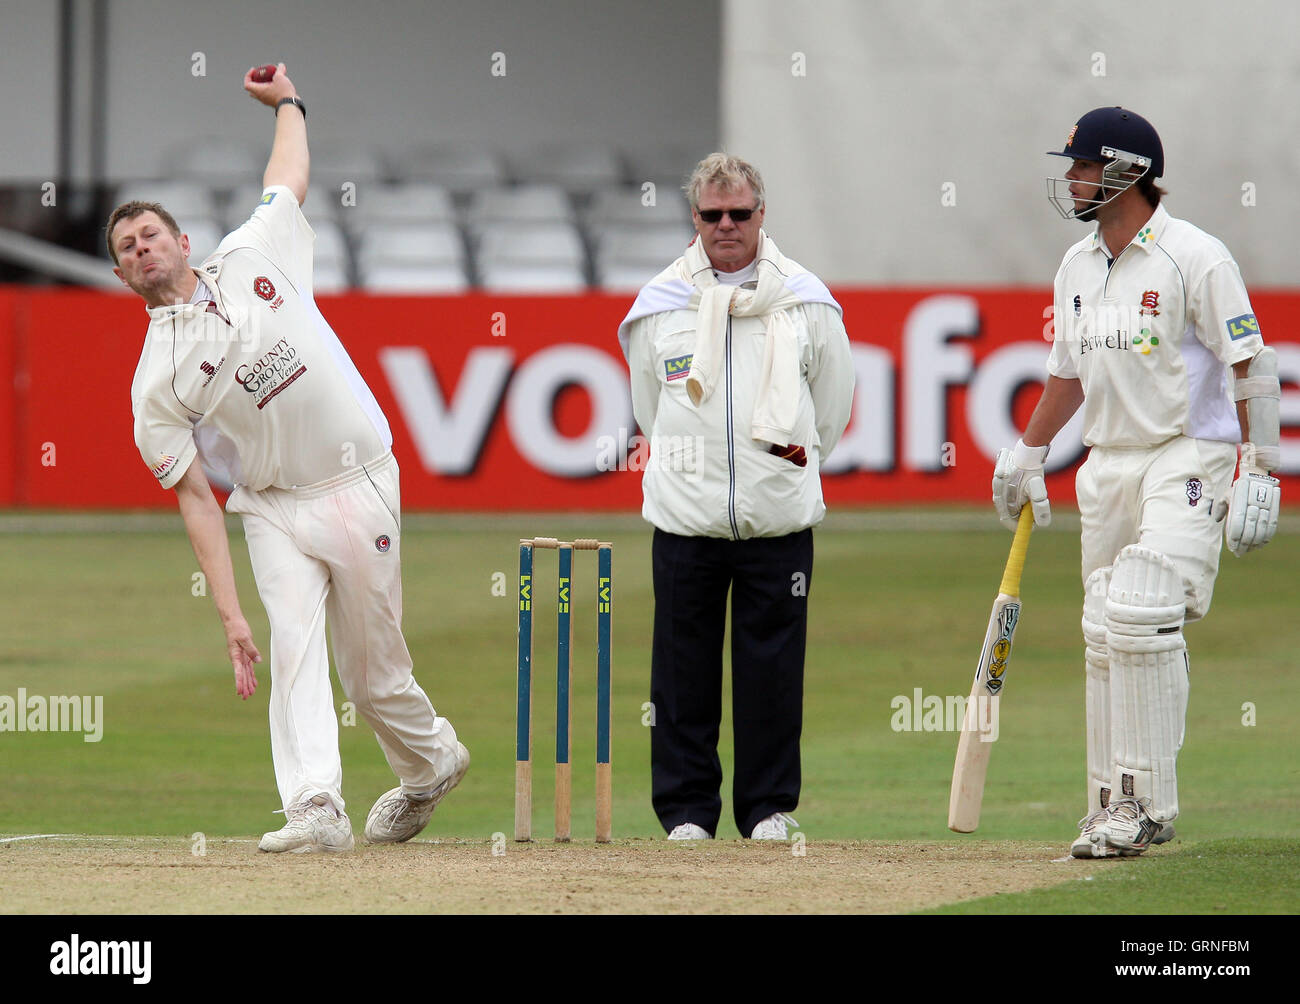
column 263, row 391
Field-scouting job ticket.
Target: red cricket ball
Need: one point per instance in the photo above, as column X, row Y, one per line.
column 263, row 74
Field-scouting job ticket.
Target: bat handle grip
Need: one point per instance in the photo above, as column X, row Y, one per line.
column 1016, row 559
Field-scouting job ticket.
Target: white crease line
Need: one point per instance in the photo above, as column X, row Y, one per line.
column 33, row 836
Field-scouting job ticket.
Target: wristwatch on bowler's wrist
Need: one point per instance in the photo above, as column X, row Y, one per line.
column 291, row 101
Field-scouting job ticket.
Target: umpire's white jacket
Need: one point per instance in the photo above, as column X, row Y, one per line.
column 706, row 475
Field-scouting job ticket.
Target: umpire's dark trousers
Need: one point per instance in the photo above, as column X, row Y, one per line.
column 769, row 579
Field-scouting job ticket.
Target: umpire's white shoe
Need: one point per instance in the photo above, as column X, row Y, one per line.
column 1126, row 831
column 310, row 826
column 396, row 816
column 773, row 827
column 689, row 831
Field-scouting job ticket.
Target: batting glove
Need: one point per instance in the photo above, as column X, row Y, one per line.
column 1017, row 479
column 1251, row 510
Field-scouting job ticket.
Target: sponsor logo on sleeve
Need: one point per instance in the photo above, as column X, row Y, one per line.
column 164, row 464
column 267, row 199
column 1240, row 327
column 677, row 369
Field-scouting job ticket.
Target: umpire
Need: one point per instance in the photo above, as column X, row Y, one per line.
column 743, row 380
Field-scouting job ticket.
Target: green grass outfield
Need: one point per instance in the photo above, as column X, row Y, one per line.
column 105, row 606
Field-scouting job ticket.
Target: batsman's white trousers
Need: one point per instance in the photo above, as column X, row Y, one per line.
column 331, row 552
column 1159, row 497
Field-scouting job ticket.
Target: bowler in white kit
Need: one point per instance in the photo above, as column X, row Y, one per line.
column 240, row 371
column 1156, row 339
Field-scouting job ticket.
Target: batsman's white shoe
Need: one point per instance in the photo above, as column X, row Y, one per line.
column 773, row 827
column 396, row 817
column 1126, row 831
column 689, row 831
column 1083, row 845
column 310, row 827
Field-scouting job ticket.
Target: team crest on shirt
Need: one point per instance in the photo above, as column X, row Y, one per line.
column 383, row 543
column 1150, row 303
column 1078, row 305
column 1193, row 491
column 265, row 288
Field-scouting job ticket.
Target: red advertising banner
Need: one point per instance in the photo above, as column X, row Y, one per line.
column 518, row 403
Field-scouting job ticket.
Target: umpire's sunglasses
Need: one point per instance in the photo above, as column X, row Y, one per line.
column 715, row 215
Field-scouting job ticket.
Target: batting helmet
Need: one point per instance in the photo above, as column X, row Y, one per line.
column 1122, row 140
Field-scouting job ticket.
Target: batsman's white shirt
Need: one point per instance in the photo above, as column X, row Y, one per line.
column 270, row 399
column 1152, row 336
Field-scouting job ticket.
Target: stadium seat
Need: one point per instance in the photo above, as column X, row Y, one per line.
column 183, row 199
column 430, row 279
column 574, row 168
column 524, row 204
column 334, row 164
column 625, row 206
column 458, row 169
column 540, row 243
column 331, row 247
column 218, row 162
column 330, row 277
column 411, row 243
column 533, row 278
column 412, row 202
column 412, row 257
column 627, row 257
column 531, row 257
column 669, row 163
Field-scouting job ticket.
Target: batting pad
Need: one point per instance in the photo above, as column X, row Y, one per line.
column 1148, row 676
column 1097, row 688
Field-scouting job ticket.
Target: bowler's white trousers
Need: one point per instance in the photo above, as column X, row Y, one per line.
column 331, row 552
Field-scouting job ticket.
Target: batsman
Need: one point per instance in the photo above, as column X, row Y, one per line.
column 1155, row 338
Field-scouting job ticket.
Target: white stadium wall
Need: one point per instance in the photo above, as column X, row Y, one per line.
column 386, row 75
column 867, row 117
column 29, row 112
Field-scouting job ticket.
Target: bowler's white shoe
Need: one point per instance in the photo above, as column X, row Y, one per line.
column 773, row 827
column 689, row 831
column 1126, row 831
column 396, row 816
column 310, row 826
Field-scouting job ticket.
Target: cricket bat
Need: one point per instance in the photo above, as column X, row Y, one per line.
column 980, row 726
